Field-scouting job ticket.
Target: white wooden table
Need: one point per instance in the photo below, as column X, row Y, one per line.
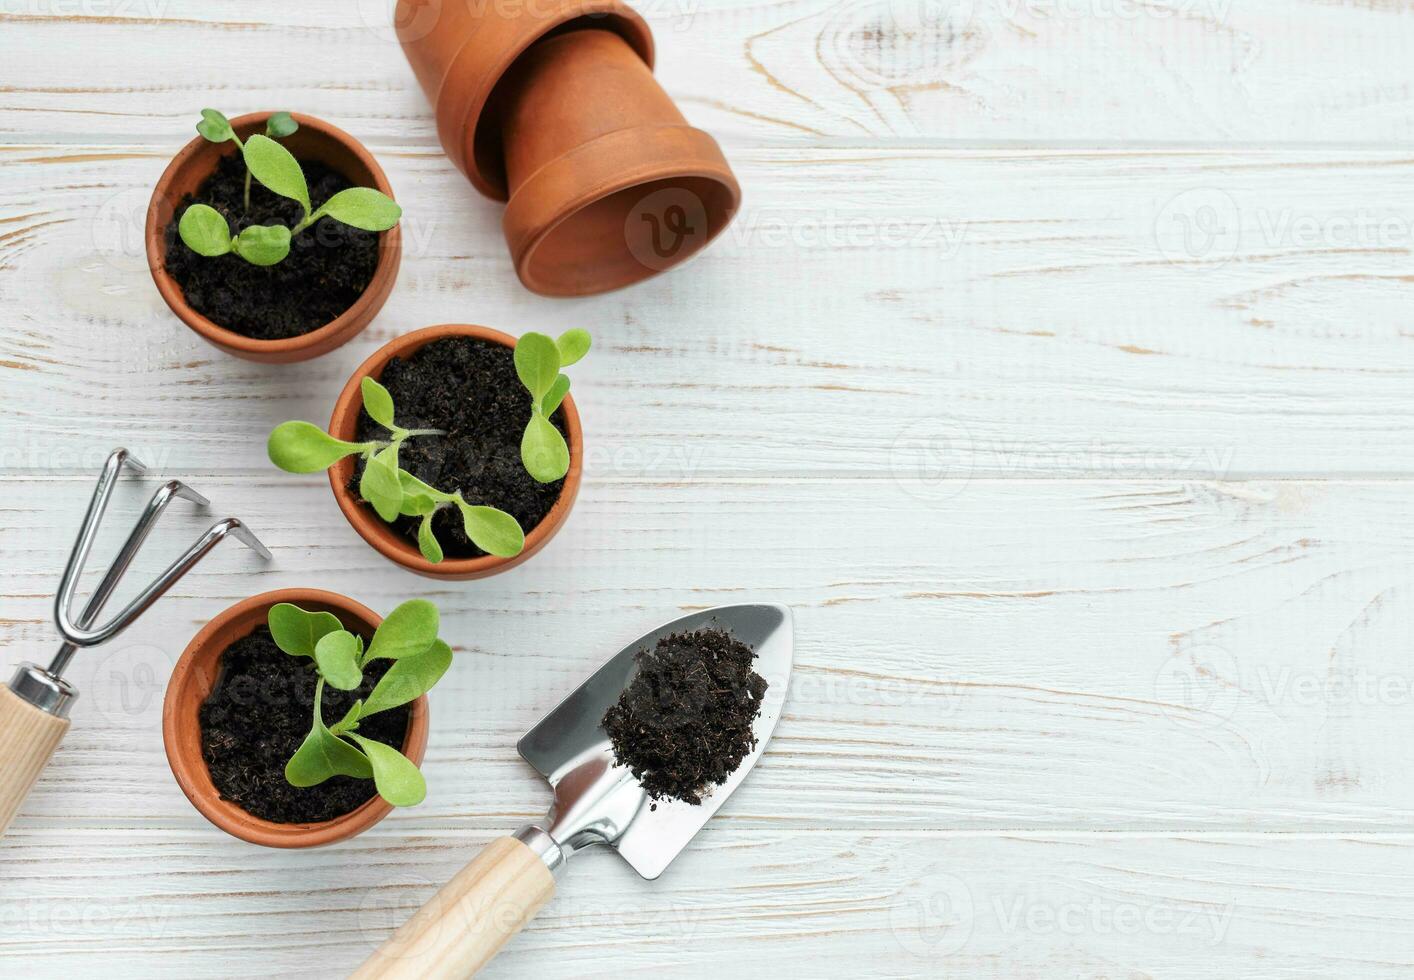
column 1059, row 372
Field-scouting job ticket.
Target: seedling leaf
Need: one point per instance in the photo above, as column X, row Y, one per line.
column 537, row 361
column 427, row 542
column 377, row 402
column 263, row 244
column 493, row 531
column 215, row 127
column 363, row 208
column 280, row 124
column 277, row 169
column 557, row 394
column 397, row 779
column 322, row 754
column 543, row 451
column 205, row 231
column 380, row 485
column 297, row 631
column 413, row 486
column 302, row 447
column 573, row 345
column 407, row 631
column 337, row 656
column 408, row 679
column 416, row 504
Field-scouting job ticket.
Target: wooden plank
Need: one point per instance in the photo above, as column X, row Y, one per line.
column 750, row 903
column 1022, row 314
column 1059, row 71
column 1017, row 655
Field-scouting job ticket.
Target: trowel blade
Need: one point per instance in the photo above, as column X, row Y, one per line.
column 571, row 750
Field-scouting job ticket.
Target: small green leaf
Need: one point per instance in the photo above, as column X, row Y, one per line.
column 543, row 450
column 427, row 542
column 377, row 402
column 215, row 127
column 297, row 631
column 397, row 779
column 409, row 679
column 493, row 531
column 263, row 244
column 573, row 345
column 412, row 485
column 380, row 485
column 416, row 504
column 276, row 168
column 337, row 656
column 557, row 394
column 280, row 124
column 322, row 754
column 537, row 361
column 303, row 447
column 350, row 719
column 363, row 208
column 407, row 631
column 205, row 231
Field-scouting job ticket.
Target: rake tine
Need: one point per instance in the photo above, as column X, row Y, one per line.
column 164, row 495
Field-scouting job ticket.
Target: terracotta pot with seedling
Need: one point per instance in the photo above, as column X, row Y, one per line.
column 237, row 716
column 455, row 451
column 553, row 108
column 273, row 236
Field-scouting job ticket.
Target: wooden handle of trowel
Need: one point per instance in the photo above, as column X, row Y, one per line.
column 28, row 737
column 465, row 924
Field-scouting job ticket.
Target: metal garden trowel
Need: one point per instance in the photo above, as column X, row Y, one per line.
column 596, row 802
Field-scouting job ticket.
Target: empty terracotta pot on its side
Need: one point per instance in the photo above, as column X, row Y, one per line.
column 314, row 140
column 382, row 536
column 553, row 107
column 193, row 679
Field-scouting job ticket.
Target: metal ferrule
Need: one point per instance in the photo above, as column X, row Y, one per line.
column 47, row 692
column 544, row 847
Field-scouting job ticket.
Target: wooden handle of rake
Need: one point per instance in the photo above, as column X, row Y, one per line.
column 28, row 737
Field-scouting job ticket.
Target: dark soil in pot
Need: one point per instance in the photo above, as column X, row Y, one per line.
column 328, row 268
column 684, row 723
column 259, row 713
column 468, row 388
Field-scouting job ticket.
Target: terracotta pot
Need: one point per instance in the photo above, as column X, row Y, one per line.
column 314, row 140
column 553, row 106
column 192, row 681
column 387, row 541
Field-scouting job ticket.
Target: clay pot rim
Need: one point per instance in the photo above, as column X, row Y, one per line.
column 520, row 209
column 194, row 778
column 461, row 118
column 381, row 536
column 317, row 341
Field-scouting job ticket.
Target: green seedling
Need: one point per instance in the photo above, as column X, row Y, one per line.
column 408, row 637
column 302, row 447
column 207, row 232
column 538, row 362
column 217, row 129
